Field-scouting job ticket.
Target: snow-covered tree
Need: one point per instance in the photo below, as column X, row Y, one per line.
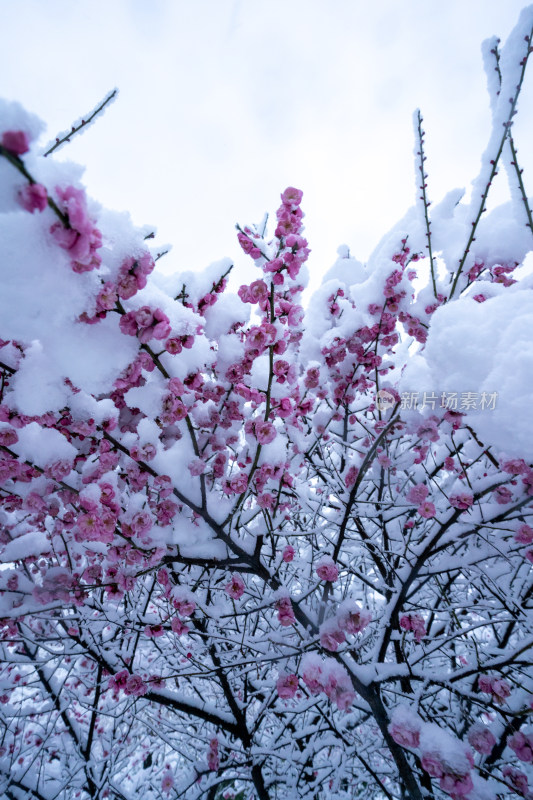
column 252, row 550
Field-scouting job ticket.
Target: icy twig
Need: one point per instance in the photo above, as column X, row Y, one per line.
column 79, row 125
column 420, row 158
column 493, row 54
column 503, row 114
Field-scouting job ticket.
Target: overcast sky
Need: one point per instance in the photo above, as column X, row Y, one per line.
column 223, row 103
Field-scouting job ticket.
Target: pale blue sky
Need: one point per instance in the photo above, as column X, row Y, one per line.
column 226, row 102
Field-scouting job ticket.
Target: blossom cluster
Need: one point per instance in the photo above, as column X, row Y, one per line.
column 330, row 677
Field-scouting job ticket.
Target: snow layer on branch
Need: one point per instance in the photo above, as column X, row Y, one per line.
column 29, row 544
column 502, row 238
column 486, row 347
column 43, row 445
column 228, row 310
column 196, row 284
column 90, row 358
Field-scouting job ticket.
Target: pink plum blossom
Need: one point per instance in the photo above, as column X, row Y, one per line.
column 185, row 606
column 197, row 466
column 354, row 620
column 286, row 616
column 287, row 686
column 213, row 759
column 135, row 686
column 351, row 477
column 292, row 196
column 288, row 553
column 524, row 534
column 337, row 685
column 405, row 733
column 495, row 686
column 503, row 495
column 265, row 432
column 179, row 627
column 235, row 588
column 312, row 673
column 522, row 745
column 119, row 680
column 331, row 636
column 428, row 431
column 481, row 739
column 239, row 483
column 518, row 780
column 432, row 763
column 417, row 494
column 427, row 510
column 33, row 197
column 8, row 436
column 327, row 570
column 458, row 785
column 462, row 501
column 414, row 623
column 167, row 782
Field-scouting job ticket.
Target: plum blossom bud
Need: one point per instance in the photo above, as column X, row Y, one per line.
column 213, row 760
column 16, row 142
